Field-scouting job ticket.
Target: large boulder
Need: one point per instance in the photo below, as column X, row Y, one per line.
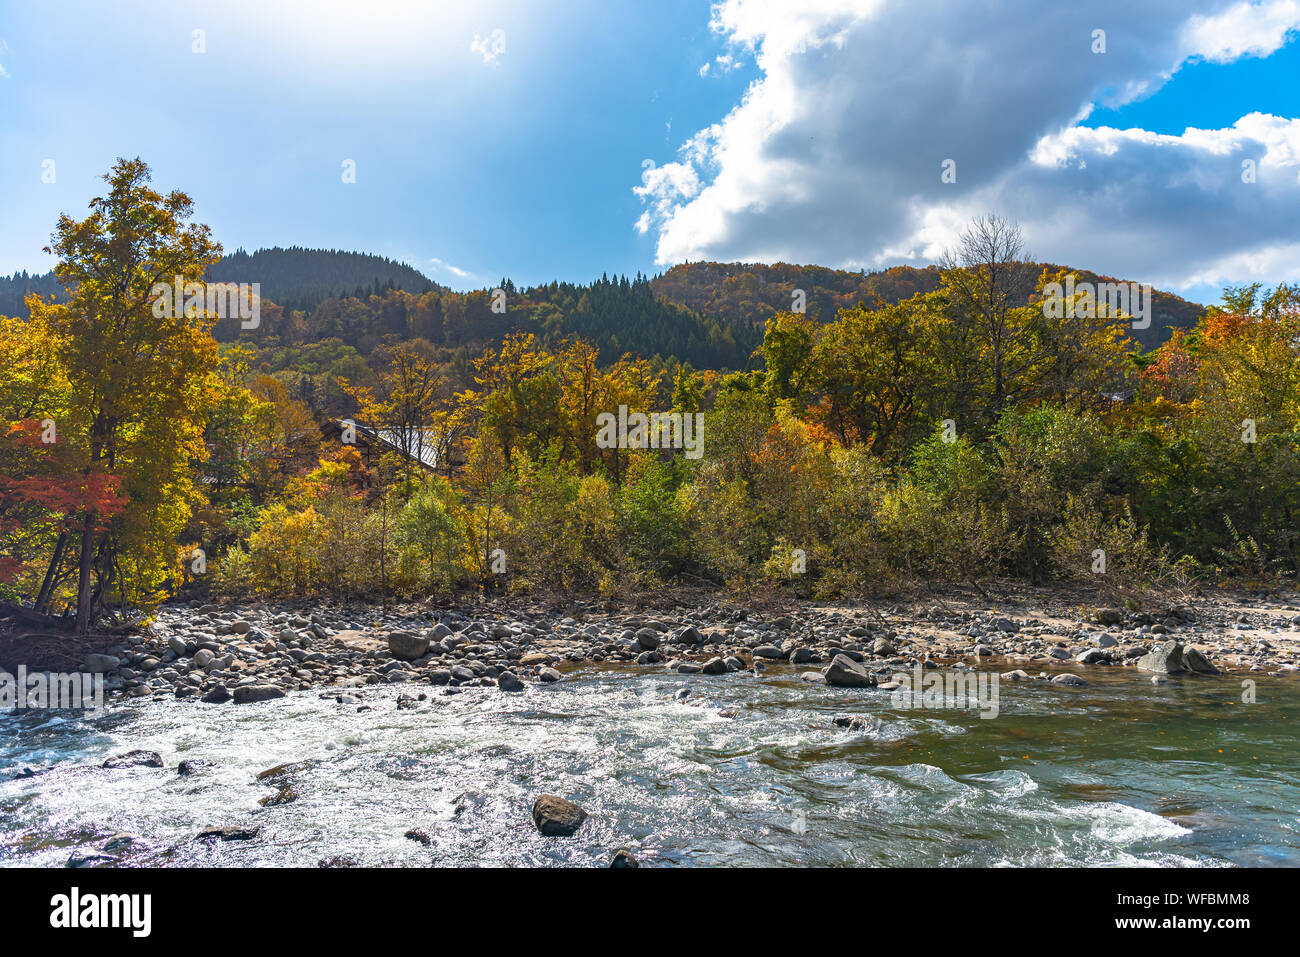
column 407, row 646
column 648, row 639
column 248, row 694
column 715, row 666
column 844, row 672
column 556, row 817
column 1165, row 658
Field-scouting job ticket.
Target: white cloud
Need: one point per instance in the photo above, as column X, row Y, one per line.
column 491, row 48
column 442, row 266
column 834, row 154
column 1244, row 29
column 4, row 48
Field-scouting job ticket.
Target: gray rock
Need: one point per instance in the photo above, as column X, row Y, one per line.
column 218, row 695
column 248, row 694
column 714, row 666
column 508, row 681
column 1165, row 658
column 407, row 646
column 1073, row 681
column 844, row 672
column 98, row 664
column 623, row 858
column 1197, row 662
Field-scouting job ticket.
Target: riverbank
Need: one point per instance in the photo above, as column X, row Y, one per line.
column 246, row 652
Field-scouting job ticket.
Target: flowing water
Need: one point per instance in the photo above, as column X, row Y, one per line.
column 748, row 770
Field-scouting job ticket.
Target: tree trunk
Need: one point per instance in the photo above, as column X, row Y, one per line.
column 83, row 575
column 52, row 572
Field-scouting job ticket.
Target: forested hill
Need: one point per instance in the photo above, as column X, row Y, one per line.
column 708, row 314
column 297, row 278
column 302, row 278
column 750, row 293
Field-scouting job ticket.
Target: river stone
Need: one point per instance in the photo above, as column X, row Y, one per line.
column 549, row 675
column 228, row 834
column 135, row 759
column 1072, row 681
column 714, row 666
column 690, row 635
column 1197, row 662
column 648, row 639
column 508, row 681
column 881, row 647
column 98, row 664
column 844, row 672
column 801, row 656
column 177, row 645
column 623, row 858
column 218, row 695
column 406, row 645
column 854, row 722
column 767, row 651
column 556, row 817
column 247, row 694
column 1165, row 658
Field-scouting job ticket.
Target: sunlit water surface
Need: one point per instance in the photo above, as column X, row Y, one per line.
column 747, row 770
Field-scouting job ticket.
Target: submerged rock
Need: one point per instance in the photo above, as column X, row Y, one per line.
column 135, row 759
column 228, row 834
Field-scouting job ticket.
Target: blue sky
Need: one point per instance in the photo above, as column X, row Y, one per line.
column 810, row 133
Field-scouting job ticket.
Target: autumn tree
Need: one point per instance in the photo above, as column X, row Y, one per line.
column 138, row 375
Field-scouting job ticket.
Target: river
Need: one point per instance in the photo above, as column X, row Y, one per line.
column 747, row 770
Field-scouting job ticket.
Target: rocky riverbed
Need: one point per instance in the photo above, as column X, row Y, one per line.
column 219, row 653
